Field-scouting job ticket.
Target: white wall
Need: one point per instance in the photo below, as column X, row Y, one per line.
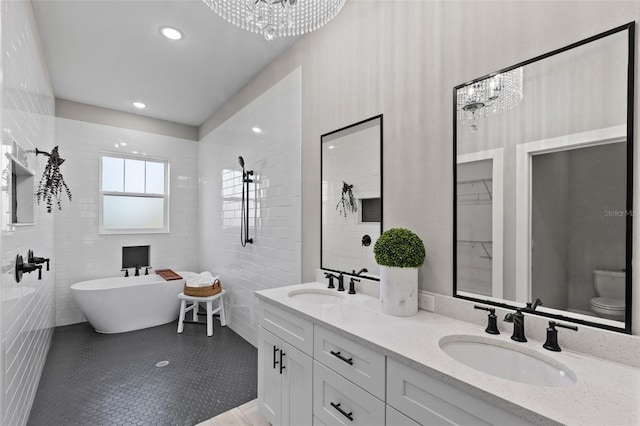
column 83, row 253
column 109, row 117
column 273, row 260
column 402, row 59
column 27, row 308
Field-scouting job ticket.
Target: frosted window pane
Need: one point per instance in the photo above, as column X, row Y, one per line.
column 112, row 174
column 121, row 212
column 155, row 178
column 134, row 176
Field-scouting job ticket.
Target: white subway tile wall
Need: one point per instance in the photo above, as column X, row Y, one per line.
column 273, row 153
column 27, row 308
column 83, row 253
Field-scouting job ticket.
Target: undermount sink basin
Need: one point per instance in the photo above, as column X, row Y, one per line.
column 316, row 296
column 507, row 361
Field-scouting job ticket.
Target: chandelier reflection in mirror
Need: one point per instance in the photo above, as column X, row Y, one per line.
column 277, row 18
column 490, row 96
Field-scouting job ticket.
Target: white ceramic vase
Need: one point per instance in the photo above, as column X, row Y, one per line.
column 399, row 291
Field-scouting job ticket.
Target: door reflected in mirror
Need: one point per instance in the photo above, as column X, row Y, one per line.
column 577, row 196
column 352, row 197
column 543, row 180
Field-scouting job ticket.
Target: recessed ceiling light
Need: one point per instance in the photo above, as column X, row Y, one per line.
column 139, row 105
column 256, row 130
column 123, row 143
column 332, row 146
column 171, row 33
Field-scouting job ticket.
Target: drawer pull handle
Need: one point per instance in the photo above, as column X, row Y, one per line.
column 337, row 355
column 347, row 415
column 275, row 361
column 282, row 367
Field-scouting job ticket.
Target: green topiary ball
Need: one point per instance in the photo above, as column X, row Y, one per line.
column 400, row 248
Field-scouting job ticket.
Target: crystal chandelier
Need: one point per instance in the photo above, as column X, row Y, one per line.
column 277, row 18
column 488, row 97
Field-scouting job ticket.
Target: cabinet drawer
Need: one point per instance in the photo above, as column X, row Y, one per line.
column 287, row 326
column 396, row 418
column 357, row 363
column 337, row 401
column 431, row 402
column 317, row 422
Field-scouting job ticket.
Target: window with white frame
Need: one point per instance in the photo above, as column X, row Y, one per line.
column 134, row 194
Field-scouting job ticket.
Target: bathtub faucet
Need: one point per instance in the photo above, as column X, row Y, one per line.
column 137, row 274
column 30, row 267
column 37, row 260
column 21, row 267
column 126, row 272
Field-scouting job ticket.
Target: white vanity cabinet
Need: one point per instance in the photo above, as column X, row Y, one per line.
column 308, row 374
column 396, row 418
column 348, row 381
column 285, row 372
column 337, row 401
column 430, row 401
column 361, row 365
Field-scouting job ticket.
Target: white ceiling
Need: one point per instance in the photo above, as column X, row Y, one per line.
column 110, row 53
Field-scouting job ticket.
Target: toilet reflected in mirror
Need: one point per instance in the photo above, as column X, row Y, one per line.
column 610, row 288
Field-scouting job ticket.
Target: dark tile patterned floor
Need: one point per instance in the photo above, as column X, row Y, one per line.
column 101, row 379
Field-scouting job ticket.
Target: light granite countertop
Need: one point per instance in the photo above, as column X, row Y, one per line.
column 606, row 393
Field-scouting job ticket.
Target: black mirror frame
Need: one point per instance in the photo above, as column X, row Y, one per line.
column 630, row 27
column 375, row 117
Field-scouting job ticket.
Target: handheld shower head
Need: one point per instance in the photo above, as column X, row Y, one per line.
column 244, row 216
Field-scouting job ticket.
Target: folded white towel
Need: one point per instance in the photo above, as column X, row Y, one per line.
column 200, row 280
column 206, row 275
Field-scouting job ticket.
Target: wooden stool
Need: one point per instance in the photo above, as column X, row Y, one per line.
column 194, row 307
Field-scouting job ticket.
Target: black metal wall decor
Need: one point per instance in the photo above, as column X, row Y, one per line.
column 52, row 184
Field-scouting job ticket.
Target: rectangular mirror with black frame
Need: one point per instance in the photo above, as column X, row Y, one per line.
column 543, row 183
column 351, row 178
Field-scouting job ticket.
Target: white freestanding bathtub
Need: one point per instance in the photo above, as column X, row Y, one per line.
column 117, row 305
